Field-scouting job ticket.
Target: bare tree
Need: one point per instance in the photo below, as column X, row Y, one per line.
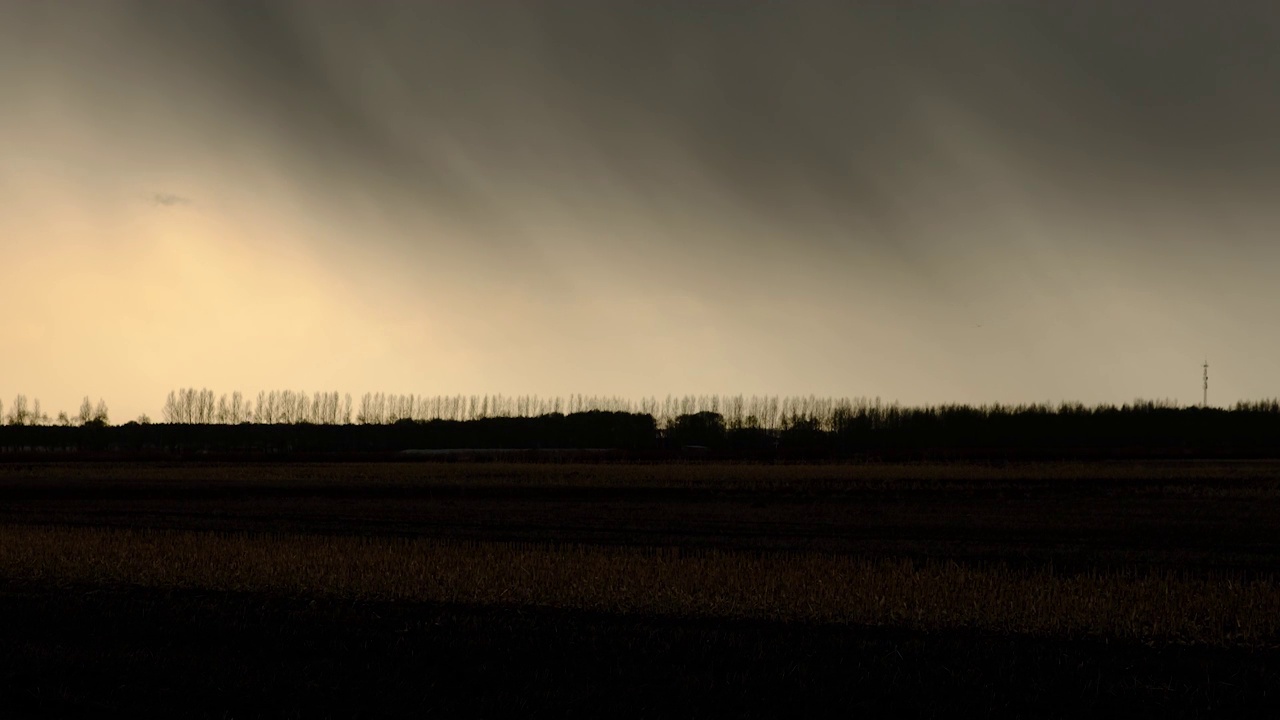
column 186, row 405
column 238, row 413
column 19, row 414
column 365, row 415
column 262, row 409
column 100, row 412
column 292, row 407
column 208, row 407
column 302, row 407
column 169, row 412
column 284, row 406
column 86, row 410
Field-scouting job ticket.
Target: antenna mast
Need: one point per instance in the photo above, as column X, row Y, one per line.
column 1205, row 402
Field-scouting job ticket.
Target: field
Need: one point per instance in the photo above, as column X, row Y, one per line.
column 476, row 589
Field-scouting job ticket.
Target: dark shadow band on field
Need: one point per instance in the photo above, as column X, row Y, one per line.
column 89, row 649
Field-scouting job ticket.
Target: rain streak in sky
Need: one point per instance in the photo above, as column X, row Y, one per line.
column 928, row 202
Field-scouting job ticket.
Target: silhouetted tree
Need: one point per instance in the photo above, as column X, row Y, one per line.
column 170, row 411
column 37, row 415
column 86, row 411
column 191, row 404
column 206, row 407
column 19, row 414
column 704, row 428
column 264, row 408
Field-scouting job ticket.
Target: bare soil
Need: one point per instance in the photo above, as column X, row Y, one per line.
column 90, row 650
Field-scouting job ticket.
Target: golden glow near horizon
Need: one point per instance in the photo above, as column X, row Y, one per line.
column 346, row 198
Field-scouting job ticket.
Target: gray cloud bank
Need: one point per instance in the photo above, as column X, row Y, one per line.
column 857, row 179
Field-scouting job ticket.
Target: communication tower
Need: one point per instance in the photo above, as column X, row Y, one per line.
column 1204, row 403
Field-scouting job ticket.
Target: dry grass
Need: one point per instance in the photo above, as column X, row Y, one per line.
column 1164, row 607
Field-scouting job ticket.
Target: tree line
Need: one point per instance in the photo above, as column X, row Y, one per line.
column 769, row 413
column 736, row 426
column 203, row 406
column 293, row 422
column 766, row 412
column 22, row 412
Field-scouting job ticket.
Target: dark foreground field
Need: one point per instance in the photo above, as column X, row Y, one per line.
column 187, row 654
column 644, row 591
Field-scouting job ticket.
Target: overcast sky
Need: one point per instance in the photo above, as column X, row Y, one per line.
column 923, row 201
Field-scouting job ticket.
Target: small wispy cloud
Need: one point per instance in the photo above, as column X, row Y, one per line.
column 169, row 199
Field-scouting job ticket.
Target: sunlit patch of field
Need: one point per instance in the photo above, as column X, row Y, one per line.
column 1167, row 606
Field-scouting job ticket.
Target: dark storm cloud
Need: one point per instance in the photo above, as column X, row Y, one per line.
column 785, row 109
column 255, row 65
column 678, row 185
column 885, row 121
column 169, row 199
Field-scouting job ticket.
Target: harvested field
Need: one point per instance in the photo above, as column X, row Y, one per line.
column 1201, row 516
column 1144, row 606
column 87, row 652
column 641, row 590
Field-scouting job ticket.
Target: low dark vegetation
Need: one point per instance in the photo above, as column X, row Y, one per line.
column 845, row 431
